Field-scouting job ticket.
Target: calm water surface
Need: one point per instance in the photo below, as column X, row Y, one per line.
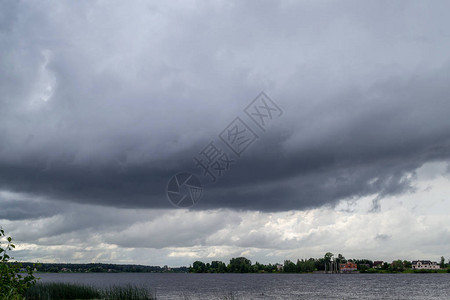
column 272, row 286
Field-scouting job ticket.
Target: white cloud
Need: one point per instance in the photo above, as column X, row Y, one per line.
column 410, row 226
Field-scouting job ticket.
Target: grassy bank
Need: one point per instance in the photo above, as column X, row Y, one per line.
column 407, row 271
column 47, row 291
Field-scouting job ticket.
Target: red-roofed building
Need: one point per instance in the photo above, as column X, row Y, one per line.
column 348, row 267
column 378, row 264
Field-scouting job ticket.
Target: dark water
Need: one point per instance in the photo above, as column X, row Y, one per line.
column 273, row 286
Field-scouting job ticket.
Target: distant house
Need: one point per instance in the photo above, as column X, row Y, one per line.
column 279, row 267
column 348, row 267
column 66, row 270
column 378, row 264
column 425, row 265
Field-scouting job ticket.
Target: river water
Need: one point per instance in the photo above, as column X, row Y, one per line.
column 272, row 286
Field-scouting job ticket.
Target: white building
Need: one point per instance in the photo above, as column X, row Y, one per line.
column 425, row 265
column 279, row 267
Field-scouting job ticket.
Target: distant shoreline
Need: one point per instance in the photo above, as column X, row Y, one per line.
column 442, row 271
column 208, row 269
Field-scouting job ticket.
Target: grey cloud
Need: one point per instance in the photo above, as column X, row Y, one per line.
column 382, row 237
column 173, row 230
column 26, row 209
column 138, row 91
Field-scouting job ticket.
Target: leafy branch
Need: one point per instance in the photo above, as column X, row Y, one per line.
column 13, row 283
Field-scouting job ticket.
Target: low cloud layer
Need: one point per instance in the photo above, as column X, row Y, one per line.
column 412, row 226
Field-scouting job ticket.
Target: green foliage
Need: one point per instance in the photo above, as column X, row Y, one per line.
column 363, row 261
column 289, row 267
column 341, row 259
column 397, row 266
column 243, row 265
column 407, row 264
column 127, row 292
column 218, row 267
column 102, row 267
column 372, row 270
column 61, row 291
column 442, row 264
column 198, row 267
column 328, row 257
column 44, row 291
column 425, row 271
column 363, row 268
column 13, row 283
column 306, row 266
column 239, row 265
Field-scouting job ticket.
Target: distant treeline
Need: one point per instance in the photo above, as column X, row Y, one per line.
column 243, row 265
column 102, row 268
column 327, row 263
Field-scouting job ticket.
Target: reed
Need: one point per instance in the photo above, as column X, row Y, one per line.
column 50, row 291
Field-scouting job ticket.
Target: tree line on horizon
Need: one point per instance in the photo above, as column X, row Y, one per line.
column 244, row 265
column 101, row 268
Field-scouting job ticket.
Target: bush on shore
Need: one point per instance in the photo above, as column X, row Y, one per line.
column 13, row 283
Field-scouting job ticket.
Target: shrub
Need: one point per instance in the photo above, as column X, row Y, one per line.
column 13, row 284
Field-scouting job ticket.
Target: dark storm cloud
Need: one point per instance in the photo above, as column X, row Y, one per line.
column 14, row 209
column 104, row 105
column 375, row 149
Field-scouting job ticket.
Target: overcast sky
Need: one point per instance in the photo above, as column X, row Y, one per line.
column 101, row 103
